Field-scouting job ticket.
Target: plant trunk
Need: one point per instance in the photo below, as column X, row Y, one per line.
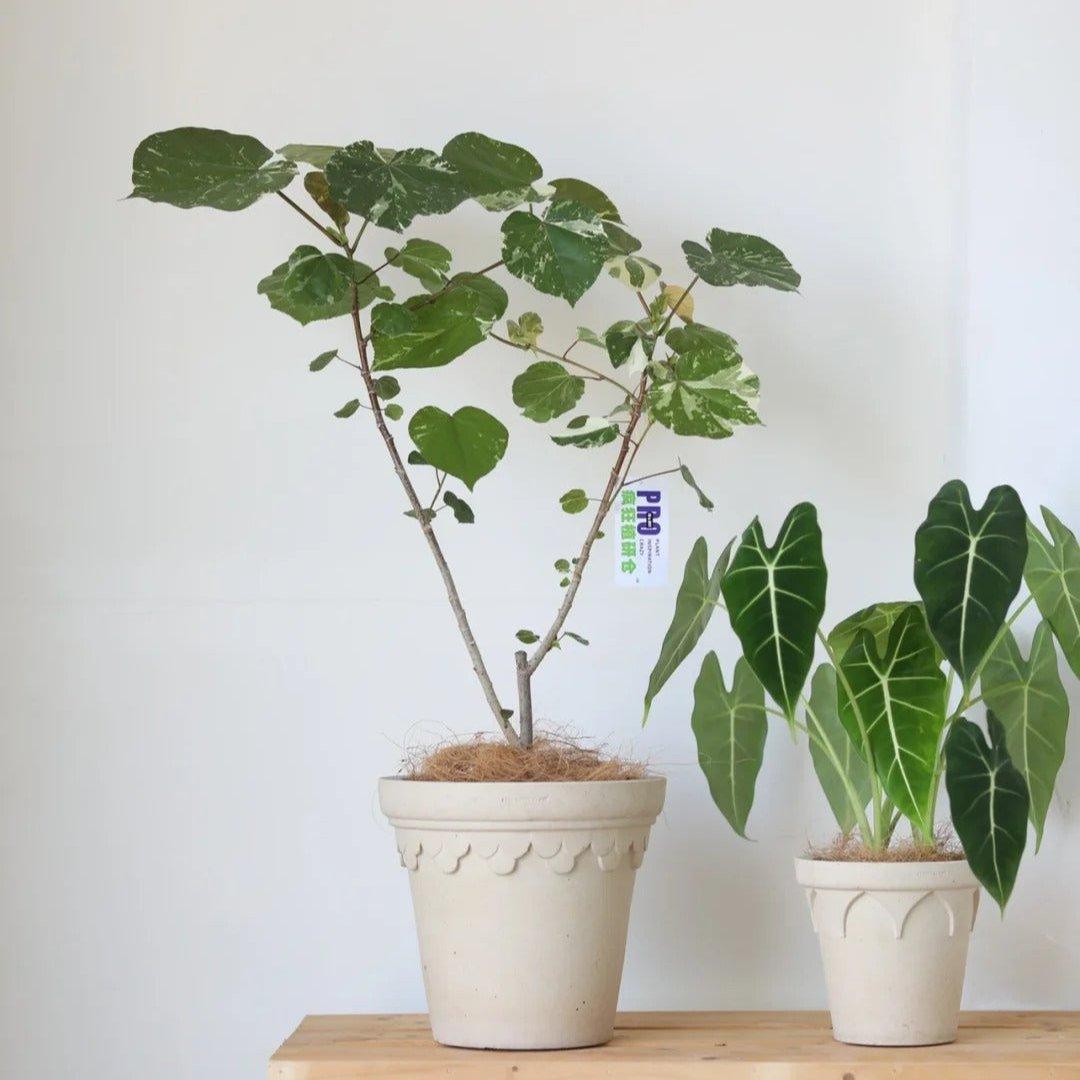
column 524, row 686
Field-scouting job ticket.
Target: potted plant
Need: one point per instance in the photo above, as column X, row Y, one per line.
column 522, row 880
column 888, row 716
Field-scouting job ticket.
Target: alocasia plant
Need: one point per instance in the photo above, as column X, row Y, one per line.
column 887, row 715
column 559, row 236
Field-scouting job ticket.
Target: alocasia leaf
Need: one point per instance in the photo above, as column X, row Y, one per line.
column 730, row 727
column 467, row 444
column 487, row 166
column 706, row 390
column 733, row 258
column 1052, row 573
column 561, row 254
column 838, row 764
column 775, row 598
column 192, row 166
column 901, row 701
column 391, row 187
column 694, row 606
column 313, row 285
column 989, row 802
column 877, row 618
column 546, row 389
column 425, row 334
column 968, row 568
column 1029, row 700
column 424, row 260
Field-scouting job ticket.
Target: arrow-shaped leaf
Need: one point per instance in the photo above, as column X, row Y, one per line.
column 1028, row 698
column 901, row 700
column 1053, row 576
column 730, row 728
column 989, row 801
column 775, row 598
column 694, row 607
column 968, row 567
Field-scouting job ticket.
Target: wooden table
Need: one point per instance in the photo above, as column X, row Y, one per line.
column 724, row 1045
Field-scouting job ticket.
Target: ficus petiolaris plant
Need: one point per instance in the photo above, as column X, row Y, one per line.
column 557, row 236
column 888, row 713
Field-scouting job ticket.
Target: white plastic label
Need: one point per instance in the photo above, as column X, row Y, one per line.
column 641, row 522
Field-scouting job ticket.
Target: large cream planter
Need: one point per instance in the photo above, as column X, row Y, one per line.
column 521, row 893
column 894, row 942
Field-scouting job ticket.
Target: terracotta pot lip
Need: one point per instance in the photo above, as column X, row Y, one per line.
column 913, row 874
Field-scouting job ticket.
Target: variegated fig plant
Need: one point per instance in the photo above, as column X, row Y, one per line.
column 558, row 237
column 888, row 712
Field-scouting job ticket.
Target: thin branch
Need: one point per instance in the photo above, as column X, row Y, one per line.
column 649, row 476
column 304, row 214
column 675, row 307
column 562, row 358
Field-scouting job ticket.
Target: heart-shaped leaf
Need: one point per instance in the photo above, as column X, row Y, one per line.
column 968, row 568
column 1052, row 573
column 391, row 187
column 1029, row 700
column 561, row 254
column 730, row 727
column 312, row 285
column 989, row 803
column 424, row 260
column 574, row 501
column 487, row 166
column 840, row 768
column 733, row 258
column 427, row 334
column 900, row 695
column 546, row 389
column 192, row 166
column 775, row 598
column 694, row 606
column 467, row 444
column 706, row 390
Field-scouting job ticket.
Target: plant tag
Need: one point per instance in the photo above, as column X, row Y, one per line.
column 641, row 536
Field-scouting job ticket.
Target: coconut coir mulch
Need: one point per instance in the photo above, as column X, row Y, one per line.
column 484, row 759
column 849, row 848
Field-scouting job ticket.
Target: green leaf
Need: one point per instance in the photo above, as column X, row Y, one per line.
column 424, row 260
column 393, row 411
column 878, row 619
column 568, row 189
column 490, row 296
column 348, row 409
column 574, row 501
column 775, row 598
column 525, row 331
column 387, row 387
column 968, row 568
column 527, row 637
column 545, row 390
column 839, row 765
column 322, row 360
column 487, row 166
column 901, row 702
column 463, row 513
column 1029, row 699
column 634, row 271
column 416, row 458
column 706, row 390
column 989, row 803
column 688, row 476
column 620, row 339
column 595, row 431
column 1052, row 573
column 391, row 187
column 694, row 606
column 590, row 337
column 310, row 154
column 576, row 637
column 561, row 254
column 733, row 258
column 562, row 565
column 312, row 285
column 564, row 582
column 428, row 334
column 192, row 166
column 467, row 444
column 316, row 186
column 730, row 727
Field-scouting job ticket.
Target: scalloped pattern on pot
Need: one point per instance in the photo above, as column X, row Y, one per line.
column 830, row 908
column 503, row 851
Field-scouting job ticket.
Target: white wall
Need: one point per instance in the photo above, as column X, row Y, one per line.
column 216, row 629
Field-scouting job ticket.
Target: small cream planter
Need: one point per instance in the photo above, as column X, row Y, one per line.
column 521, row 894
column 894, row 942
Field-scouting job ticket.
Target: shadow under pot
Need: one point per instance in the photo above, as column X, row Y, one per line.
column 521, row 893
column 894, row 942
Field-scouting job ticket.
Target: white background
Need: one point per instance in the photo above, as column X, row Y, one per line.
column 217, row 629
